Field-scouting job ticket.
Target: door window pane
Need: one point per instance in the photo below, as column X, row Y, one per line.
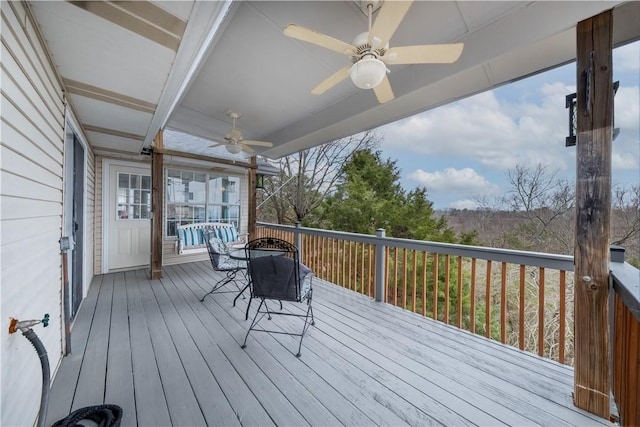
column 132, row 202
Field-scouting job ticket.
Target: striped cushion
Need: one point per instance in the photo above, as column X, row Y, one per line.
column 228, row 234
column 192, row 236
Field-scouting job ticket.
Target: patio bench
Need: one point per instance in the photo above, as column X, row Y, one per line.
column 191, row 236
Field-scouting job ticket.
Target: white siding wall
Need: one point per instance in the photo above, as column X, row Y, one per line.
column 31, row 171
column 90, row 220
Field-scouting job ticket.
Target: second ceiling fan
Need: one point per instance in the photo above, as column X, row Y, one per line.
column 370, row 52
column 234, row 143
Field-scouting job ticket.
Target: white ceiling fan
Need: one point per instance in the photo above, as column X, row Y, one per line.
column 370, row 51
column 234, row 143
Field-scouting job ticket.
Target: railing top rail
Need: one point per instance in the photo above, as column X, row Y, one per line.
column 537, row 259
column 626, row 283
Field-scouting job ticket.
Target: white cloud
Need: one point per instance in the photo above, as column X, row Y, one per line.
column 624, row 161
column 464, row 204
column 498, row 135
column 466, row 181
column 627, row 58
column 627, row 108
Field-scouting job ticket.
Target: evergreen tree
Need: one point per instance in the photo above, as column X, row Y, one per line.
column 369, row 196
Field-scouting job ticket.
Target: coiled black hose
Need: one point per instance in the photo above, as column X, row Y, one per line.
column 103, row 415
column 46, row 375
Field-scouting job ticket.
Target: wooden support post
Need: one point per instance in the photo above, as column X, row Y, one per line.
column 157, row 201
column 253, row 204
column 593, row 210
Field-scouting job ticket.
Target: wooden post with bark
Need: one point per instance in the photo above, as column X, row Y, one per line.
column 157, row 201
column 593, row 211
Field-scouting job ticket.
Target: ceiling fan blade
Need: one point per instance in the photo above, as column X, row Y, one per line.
column 247, row 149
column 424, row 54
column 383, row 91
column 216, row 145
column 320, row 39
column 389, row 17
column 331, row 81
column 258, row 143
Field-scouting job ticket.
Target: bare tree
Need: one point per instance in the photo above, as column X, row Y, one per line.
column 625, row 218
column 307, row 177
column 546, row 204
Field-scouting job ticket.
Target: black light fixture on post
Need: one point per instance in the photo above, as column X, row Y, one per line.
column 259, row 180
column 570, row 103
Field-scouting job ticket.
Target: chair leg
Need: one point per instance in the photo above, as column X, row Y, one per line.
column 254, row 322
column 306, row 325
column 230, row 277
column 246, row 314
column 240, row 294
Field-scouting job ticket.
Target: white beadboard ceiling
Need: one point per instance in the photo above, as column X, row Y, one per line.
column 132, row 67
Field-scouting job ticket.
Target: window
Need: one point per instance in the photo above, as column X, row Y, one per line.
column 134, row 196
column 201, row 197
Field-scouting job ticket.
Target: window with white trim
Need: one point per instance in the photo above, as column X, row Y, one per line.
column 193, row 197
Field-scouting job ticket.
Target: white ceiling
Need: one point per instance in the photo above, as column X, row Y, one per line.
column 132, row 67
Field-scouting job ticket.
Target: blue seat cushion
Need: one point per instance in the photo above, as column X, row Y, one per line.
column 228, row 234
column 192, row 236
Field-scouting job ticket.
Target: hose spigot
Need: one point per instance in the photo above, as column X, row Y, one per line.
column 16, row 325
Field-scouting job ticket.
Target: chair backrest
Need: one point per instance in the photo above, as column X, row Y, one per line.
column 274, row 269
column 216, row 248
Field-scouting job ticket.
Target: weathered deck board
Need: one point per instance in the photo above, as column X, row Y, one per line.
column 150, row 405
column 91, row 383
column 119, row 387
column 153, row 348
column 63, row 388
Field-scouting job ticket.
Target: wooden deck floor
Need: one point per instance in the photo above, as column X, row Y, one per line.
column 167, row 359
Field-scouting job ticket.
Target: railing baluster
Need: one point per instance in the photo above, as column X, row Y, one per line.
column 563, row 314
column 395, row 276
column 472, row 311
column 424, row 284
column 503, row 303
column 522, row 309
column 404, row 278
column 459, row 292
column 435, row 286
column 447, row 273
column 415, row 281
column 334, row 254
column 344, row 262
column 363, row 290
column 541, row 313
column 487, row 302
column 353, row 267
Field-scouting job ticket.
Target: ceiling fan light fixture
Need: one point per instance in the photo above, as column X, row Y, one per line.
column 233, row 148
column 367, row 73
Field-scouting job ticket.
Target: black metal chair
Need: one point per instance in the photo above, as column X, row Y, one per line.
column 220, row 261
column 275, row 273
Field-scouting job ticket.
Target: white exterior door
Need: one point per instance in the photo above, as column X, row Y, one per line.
column 128, row 217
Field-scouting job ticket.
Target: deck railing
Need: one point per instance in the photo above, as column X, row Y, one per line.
column 625, row 281
column 524, row 299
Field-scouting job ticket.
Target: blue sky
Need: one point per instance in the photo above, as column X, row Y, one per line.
column 462, row 151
